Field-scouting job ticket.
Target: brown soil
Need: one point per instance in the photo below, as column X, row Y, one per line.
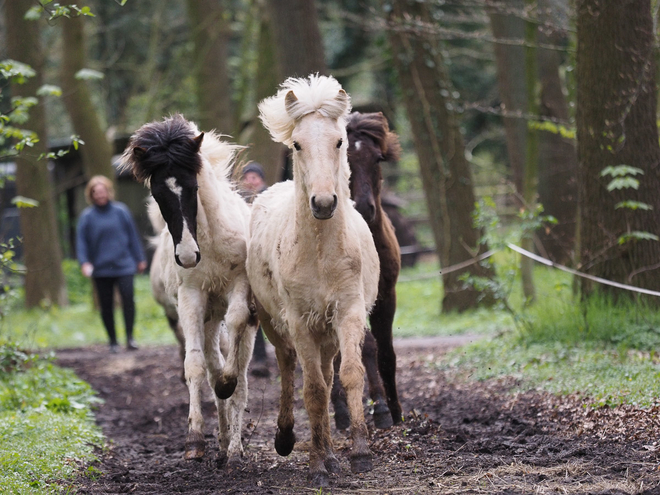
column 458, row 437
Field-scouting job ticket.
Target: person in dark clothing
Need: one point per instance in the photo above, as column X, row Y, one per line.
column 253, row 182
column 110, row 252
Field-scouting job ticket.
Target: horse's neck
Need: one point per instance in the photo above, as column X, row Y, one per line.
column 209, row 208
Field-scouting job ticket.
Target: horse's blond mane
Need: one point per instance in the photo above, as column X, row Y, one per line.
column 314, row 94
column 219, row 154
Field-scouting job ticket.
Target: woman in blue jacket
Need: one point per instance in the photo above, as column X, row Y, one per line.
column 110, row 252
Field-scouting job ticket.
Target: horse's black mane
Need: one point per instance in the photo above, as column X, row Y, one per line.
column 375, row 127
column 157, row 144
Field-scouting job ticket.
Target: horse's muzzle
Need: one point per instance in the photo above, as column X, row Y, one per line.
column 188, row 262
column 323, row 208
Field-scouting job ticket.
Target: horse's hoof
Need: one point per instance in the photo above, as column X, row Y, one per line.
column 331, row 463
column 221, row 460
column 224, row 388
column 235, row 461
column 342, row 419
column 397, row 415
column 361, row 463
column 284, row 441
column 382, row 416
column 319, row 479
column 194, row 447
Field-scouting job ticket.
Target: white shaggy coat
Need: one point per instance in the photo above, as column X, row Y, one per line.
column 315, row 279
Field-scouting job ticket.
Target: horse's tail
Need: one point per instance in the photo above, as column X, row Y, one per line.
column 157, row 221
column 220, row 154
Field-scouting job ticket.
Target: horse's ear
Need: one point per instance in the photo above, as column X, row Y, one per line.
column 139, row 152
column 383, row 119
column 289, row 101
column 343, row 97
column 198, row 142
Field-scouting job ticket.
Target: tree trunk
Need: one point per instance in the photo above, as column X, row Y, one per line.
column 446, row 173
column 616, row 124
column 97, row 151
column 297, row 36
column 263, row 149
column 44, row 279
column 557, row 155
column 508, row 29
column 530, row 174
column 210, row 32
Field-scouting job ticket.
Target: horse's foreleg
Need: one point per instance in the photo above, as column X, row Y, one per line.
column 236, row 318
column 327, row 367
column 351, row 373
column 381, row 319
column 191, row 305
column 238, row 401
column 316, row 397
column 215, row 362
column 338, row 398
column 285, row 438
column 382, row 417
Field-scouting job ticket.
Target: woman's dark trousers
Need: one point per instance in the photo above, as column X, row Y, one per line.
column 105, row 289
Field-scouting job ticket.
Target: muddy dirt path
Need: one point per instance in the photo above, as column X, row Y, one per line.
column 458, row 437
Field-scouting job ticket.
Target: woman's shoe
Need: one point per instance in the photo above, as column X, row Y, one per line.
column 130, row 345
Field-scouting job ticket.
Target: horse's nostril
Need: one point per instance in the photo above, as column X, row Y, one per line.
column 198, row 256
column 313, row 201
column 334, row 202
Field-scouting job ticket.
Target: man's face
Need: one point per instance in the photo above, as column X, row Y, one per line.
column 253, row 181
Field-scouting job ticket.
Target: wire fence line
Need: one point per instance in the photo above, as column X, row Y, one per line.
column 538, row 259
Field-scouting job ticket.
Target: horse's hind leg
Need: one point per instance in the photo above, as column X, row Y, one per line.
column 382, row 416
column 191, row 311
column 381, row 320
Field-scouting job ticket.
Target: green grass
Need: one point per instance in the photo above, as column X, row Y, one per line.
column 47, row 430
column 419, row 308
column 600, row 374
column 79, row 324
column 601, row 350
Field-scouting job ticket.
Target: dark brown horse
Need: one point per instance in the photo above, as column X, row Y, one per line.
column 370, row 142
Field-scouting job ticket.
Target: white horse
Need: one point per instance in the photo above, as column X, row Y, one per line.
column 313, row 267
column 204, row 272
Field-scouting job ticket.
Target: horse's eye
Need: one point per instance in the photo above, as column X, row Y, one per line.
column 381, row 158
column 296, row 145
column 339, row 143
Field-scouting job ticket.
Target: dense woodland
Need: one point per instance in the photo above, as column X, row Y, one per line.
column 555, row 99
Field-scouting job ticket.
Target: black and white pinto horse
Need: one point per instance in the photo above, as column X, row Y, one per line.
column 202, row 266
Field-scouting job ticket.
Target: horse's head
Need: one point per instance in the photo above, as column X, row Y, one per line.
column 309, row 115
column 165, row 156
column 369, row 143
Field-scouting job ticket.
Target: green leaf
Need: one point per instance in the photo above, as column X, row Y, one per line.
column 23, row 202
column 623, row 183
column 620, row 170
column 33, row 14
column 637, row 236
column 49, row 90
column 17, row 70
column 87, row 74
column 633, row 205
column 86, row 11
